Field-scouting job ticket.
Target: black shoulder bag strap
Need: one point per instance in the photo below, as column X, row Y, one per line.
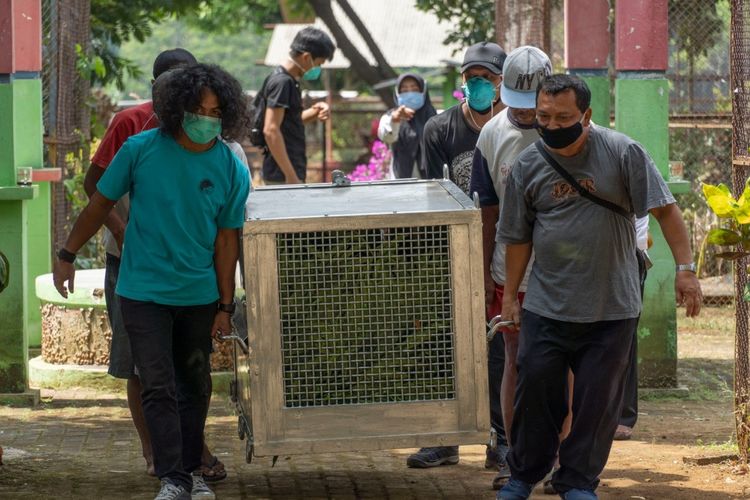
column 581, row 190
column 643, row 262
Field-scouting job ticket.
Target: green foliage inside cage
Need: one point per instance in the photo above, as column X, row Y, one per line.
column 366, row 316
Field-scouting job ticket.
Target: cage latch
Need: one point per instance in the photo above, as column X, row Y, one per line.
column 339, row 179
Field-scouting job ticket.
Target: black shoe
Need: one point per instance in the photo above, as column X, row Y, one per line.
column 432, row 457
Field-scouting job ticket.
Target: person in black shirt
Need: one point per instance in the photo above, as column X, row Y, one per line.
column 449, row 139
column 283, row 128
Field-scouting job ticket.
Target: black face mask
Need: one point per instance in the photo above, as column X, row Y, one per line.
column 560, row 138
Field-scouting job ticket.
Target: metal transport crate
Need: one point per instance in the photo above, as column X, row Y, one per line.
column 365, row 319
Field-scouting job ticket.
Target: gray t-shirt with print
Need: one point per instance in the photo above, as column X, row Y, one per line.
column 585, row 268
column 500, row 142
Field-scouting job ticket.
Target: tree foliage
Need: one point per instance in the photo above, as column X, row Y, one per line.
column 236, row 52
column 472, row 20
column 114, row 23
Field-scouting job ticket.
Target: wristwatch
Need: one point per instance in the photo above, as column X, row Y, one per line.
column 685, row 267
column 66, row 256
column 227, row 308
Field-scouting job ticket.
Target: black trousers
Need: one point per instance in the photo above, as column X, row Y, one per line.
column 598, row 353
column 629, row 415
column 495, row 366
column 171, row 346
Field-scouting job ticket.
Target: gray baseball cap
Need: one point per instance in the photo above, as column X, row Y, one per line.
column 523, row 71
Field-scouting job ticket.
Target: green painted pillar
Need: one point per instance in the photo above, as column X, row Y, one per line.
column 598, row 82
column 28, row 152
column 642, row 112
column 24, row 230
column 13, row 302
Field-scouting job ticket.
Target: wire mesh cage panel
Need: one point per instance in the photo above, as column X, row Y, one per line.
column 378, row 327
column 365, row 318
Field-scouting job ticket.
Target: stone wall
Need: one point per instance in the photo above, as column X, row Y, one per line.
column 81, row 336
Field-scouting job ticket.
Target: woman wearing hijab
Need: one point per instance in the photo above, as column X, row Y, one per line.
column 401, row 127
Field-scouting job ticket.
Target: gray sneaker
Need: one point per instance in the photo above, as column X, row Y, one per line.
column 171, row 491
column 432, row 457
column 200, row 490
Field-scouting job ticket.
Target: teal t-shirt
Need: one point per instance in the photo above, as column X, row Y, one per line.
column 178, row 202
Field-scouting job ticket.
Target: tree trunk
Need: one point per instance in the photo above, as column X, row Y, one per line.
column 501, row 27
column 385, row 69
column 522, row 22
column 370, row 74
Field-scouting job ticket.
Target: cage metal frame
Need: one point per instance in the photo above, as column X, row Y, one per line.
column 274, row 429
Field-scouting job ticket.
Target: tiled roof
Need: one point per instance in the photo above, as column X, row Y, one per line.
column 407, row 37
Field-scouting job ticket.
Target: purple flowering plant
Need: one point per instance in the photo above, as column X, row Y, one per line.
column 376, row 168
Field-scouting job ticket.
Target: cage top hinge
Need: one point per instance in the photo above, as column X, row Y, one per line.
column 339, row 179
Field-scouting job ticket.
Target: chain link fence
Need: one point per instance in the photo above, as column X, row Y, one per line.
column 65, row 94
column 740, row 81
column 700, row 124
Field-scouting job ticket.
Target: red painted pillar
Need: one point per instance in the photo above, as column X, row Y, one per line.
column 587, row 34
column 587, row 43
column 642, row 35
column 20, row 36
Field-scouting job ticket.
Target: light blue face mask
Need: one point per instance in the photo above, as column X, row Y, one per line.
column 413, row 100
column 201, row 129
column 480, row 93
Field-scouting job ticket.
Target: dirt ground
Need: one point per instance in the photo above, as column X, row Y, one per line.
column 80, row 444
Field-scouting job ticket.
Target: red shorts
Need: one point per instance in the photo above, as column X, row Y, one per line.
column 497, row 304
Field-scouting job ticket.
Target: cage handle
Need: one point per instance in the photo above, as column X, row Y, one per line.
column 237, row 339
column 495, row 324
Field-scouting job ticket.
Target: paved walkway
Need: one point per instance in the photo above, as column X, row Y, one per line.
column 81, row 444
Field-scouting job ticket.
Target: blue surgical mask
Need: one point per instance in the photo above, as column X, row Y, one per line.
column 480, row 93
column 201, row 129
column 413, row 100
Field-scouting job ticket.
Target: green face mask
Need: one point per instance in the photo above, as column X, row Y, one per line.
column 201, row 129
column 312, row 73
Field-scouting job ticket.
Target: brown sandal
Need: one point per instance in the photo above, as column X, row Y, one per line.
column 214, row 471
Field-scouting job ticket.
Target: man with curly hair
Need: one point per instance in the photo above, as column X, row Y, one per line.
column 176, row 285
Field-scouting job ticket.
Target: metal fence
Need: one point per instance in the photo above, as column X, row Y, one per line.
column 740, row 79
column 65, row 31
column 698, row 63
column 383, row 339
column 700, row 126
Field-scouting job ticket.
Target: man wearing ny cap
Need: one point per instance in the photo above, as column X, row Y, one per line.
column 499, row 143
column 449, row 139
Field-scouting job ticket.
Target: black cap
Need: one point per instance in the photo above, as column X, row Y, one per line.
column 172, row 58
column 486, row 54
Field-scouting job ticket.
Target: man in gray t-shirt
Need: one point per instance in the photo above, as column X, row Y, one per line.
column 583, row 297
